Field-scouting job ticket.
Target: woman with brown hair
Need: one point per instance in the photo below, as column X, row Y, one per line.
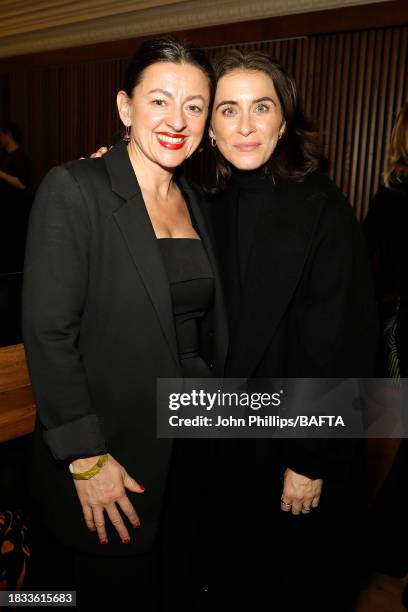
column 300, row 304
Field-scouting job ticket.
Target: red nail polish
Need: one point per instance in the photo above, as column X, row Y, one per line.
column 142, row 487
column 137, row 526
column 126, row 541
column 104, row 541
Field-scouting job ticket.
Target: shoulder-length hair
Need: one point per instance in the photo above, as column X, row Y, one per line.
column 298, row 152
column 397, row 163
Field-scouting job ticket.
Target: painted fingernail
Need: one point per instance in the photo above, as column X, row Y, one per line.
column 126, row 541
column 142, row 487
column 137, row 526
column 104, row 541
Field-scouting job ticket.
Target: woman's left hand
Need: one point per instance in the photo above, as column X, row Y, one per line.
column 300, row 493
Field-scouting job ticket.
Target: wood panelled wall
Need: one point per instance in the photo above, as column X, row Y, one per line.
column 352, row 84
column 66, row 111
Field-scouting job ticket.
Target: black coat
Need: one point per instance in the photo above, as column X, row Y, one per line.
column 307, row 306
column 98, row 331
column 386, row 227
column 386, row 231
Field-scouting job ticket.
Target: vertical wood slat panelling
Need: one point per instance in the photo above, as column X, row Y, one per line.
column 334, row 117
column 390, row 90
column 402, row 83
column 366, row 69
column 66, row 112
column 310, row 76
column 380, row 152
column 352, row 85
column 342, row 149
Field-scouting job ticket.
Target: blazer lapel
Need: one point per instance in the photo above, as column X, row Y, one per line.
column 282, row 240
column 220, row 323
column 137, row 230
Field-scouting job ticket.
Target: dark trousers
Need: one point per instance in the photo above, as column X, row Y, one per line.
column 265, row 559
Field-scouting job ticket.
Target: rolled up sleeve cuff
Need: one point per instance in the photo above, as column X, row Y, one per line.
column 80, row 438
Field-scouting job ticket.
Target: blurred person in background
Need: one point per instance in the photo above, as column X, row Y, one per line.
column 15, row 202
column 386, row 228
column 14, row 162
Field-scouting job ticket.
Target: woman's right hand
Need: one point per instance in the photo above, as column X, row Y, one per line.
column 102, row 492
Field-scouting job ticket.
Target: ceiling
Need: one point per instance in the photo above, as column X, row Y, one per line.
column 18, row 16
column 28, row 26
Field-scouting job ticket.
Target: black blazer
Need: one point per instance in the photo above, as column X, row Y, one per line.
column 98, row 332
column 307, row 306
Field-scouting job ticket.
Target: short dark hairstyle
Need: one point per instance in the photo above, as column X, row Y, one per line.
column 298, row 152
column 166, row 49
column 10, row 127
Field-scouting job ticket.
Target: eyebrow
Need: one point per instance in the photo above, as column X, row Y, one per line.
column 194, row 97
column 170, row 95
column 234, row 102
column 163, row 91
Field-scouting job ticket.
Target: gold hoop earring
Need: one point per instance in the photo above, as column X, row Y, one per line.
column 126, row 137
column 213, row 141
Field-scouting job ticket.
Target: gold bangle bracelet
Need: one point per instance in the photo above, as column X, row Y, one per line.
column 91, row 472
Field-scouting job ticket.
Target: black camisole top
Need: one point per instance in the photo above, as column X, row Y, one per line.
column 191, row 286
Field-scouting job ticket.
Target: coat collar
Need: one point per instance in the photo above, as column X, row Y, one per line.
column 282, row 241
column 137, row 230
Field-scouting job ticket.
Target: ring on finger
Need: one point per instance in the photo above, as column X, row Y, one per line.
column 306, row 509
column 286, row 504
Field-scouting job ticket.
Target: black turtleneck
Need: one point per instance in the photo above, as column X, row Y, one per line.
column 236, row 212
column 255, row 190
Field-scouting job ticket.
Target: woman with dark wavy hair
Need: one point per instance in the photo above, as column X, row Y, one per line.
column 300, row 304
column 299, row 153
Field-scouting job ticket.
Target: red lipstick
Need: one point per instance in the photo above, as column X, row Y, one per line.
column 171, row 141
